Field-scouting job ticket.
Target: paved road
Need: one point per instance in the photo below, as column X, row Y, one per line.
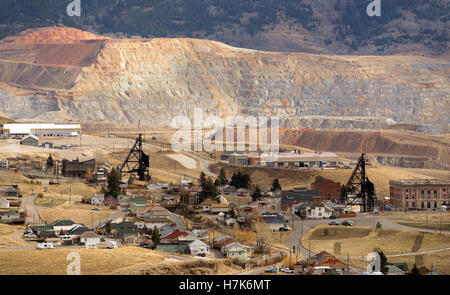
column 204, row 164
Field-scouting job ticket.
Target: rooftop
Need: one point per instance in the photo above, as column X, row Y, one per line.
column 407, row 182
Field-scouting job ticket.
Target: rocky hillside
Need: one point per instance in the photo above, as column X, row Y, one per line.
column 149, row 81
column 315, row 26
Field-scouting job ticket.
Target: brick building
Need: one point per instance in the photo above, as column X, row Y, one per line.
column 419, row 193
column 328, row 189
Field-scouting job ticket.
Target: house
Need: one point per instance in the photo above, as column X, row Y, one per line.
column 130, row 240
column 110, row 201
column 199, row 248
column 275, row 222
column 314, row 211
column 296, row 196
column 50, row 236
column 166, row 230
column 62, row 225
column 4, row 165
column 219, row 238
column 9, row 191
column 9, row 216
column 137, row 204
column 101, row 176
column 218, row 208
column 73, row 236
column 322, row 262
column 76, row 168
column 124, row 229
column 205, row 206
column 89, row 238
column 243, row 192
column 96, row 199
column 226, row 190
column 4, row 203
column 237, row 251
column 173, row 237
column 47, row 145
column 30, row 140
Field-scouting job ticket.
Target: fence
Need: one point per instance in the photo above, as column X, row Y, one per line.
column 259, row 262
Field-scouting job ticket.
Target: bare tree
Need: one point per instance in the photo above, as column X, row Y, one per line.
column 263, row 238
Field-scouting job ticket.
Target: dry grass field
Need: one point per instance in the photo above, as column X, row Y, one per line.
column 93, row 261
column 359, row 241
column 290, row 178
column 79, row 213
column 11, row 236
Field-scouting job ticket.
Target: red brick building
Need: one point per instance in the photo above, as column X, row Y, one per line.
column 329, row 190
column 419, row 193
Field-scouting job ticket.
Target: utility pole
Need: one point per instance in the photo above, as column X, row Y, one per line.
column 70, row 195
column 92, row 220
column 440, row 227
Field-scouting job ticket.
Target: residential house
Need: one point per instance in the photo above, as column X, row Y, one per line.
column 4, row 203
column 101, row 176
column 166, row 230
column 199, row 248
column 62, row 225
column 173, row 237
column 47, row 145
column 218, row 208
column 219, row 238
column 9, row 191
column 10, row 216
column 226, row 190
column 297, row 196
column 205, row 206
column 124, row 229
column 394, row 270
column 76, row 168
column 4, row 165
column 138, row 204
column 30, row 140
column 243, row 192
column 274, row 221
column 73, row 236
column 314, row 211
column 185, row 241
column 237, row 251
column 50, row 236
column 89, row 239
column 96, row 199
column 110, row 201
column 322, row 263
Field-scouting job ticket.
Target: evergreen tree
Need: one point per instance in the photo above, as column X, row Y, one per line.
column 209, row 190
column 202, row 179
column 156, row 236
column 275, row 185
column 222, row 179
column 257, row 193
column 50, row 162
column 113, row 187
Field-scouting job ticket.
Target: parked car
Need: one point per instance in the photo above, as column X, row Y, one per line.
column 273, row 269
column 282, row 229
column 287, row 270
column 333, row 217
column 333, row 223
column 42, row 246
column 110, row 236
column 96, row 209
column 30, row 236
column 111, row 245
column 347, row 222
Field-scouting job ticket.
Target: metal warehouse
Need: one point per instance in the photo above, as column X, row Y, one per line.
column 41, row 129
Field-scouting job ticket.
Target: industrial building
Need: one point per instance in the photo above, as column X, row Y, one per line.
column 416, row 194
column 41, row 129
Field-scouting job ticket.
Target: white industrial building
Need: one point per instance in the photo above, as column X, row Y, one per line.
column 310, row 159
column 41, row 129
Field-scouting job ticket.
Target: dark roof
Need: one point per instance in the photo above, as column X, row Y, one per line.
column 287, row 197
column 62, row 222
column 78, row 230
column 273, row 220
column 48, row 234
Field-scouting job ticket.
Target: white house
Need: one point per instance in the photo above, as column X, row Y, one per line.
column 90, row 239
column 96, row 199
column 199, row 248
column 63, row 225
column 4, row 203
